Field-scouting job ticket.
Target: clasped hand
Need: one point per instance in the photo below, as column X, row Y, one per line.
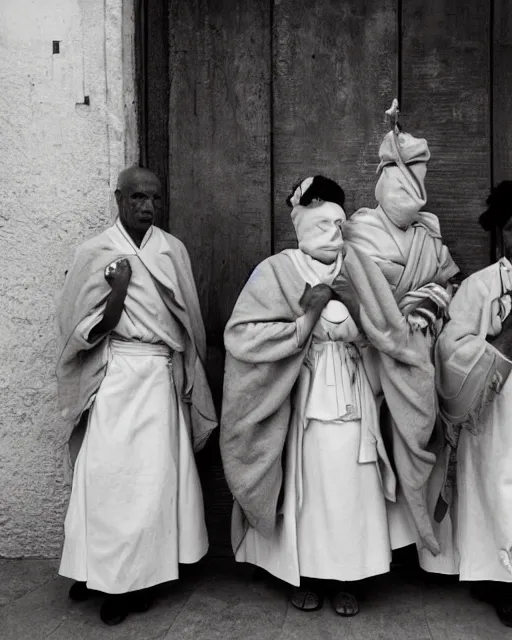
column 316, row 297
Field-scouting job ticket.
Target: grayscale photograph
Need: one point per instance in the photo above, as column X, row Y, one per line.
column 256, row 320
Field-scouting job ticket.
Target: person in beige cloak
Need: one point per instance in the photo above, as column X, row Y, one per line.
column 300, row 438
column 406, row 244
column 474, row 361
column 133, row 388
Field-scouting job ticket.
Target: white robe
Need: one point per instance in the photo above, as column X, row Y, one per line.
column 332, row 523
column 476, row 532
column 136, row 507
column 485, row 495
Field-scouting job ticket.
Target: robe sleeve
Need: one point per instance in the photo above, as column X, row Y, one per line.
column 82, row 303
column 84, row 328
column 469, row 370
column 263, row 363
column 263, row 328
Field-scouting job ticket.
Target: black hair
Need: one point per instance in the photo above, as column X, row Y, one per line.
column 499, row 207
column 321, row 188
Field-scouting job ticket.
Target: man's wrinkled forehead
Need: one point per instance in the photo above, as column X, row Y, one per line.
column 137, row 179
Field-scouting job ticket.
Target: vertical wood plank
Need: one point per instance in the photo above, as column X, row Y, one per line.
column 334, row 76
column 219, row 173
column 502, row 91
column 154, row 40
column 445, row 98
column 140, row 75
column 219, row 133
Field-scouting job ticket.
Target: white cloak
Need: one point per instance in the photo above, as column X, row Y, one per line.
column 136, row 507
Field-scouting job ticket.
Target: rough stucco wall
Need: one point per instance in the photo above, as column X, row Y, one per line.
column 58, row 159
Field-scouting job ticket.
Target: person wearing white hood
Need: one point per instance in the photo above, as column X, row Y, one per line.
column 406, row 244
column 300, row 439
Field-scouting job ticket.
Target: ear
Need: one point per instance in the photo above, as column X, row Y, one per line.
column 118, row 197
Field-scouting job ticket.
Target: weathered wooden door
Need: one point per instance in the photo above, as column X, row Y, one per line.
column 240, row 98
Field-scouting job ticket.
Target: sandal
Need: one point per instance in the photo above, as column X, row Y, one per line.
column 345, row 604
column 306, row 599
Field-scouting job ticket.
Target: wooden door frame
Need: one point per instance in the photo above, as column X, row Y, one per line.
column 152, row 83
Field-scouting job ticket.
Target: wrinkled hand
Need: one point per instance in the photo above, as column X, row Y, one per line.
column 417, row 322
column 118, row 275
column 316, row 297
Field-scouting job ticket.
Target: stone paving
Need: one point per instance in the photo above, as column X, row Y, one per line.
column 221, row 600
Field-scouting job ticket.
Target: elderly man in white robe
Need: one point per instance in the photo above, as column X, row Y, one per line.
column 132, row 384
column 474, row 361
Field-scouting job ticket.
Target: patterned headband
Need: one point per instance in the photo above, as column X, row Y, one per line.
column 300, row 191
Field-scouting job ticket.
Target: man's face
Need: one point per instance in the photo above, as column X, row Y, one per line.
column 139, row 202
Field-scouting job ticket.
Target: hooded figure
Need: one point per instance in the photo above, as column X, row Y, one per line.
column 405, row 243
column 300, row 438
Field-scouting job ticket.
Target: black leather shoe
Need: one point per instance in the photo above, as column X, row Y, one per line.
column 504, row 611
column 485, row 592
column 115, row 609
column 499, row 595
column 79, row 592
column 141, row 601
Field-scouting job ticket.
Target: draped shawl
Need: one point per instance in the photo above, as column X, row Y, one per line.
column 410, row 262
column 82, row 365
column 265, row 352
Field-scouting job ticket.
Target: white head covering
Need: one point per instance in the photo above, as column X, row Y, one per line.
column 318, row 228
column 400, row 189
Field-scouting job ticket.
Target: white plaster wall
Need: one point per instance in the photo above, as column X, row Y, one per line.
column 58, row 161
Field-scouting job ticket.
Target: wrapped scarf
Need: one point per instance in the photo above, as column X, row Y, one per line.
column 400, row 189
column 318, row 230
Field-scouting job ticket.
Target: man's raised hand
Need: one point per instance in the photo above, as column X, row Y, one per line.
column 118, row 275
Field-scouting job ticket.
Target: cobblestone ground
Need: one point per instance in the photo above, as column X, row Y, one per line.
column 220, row 600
